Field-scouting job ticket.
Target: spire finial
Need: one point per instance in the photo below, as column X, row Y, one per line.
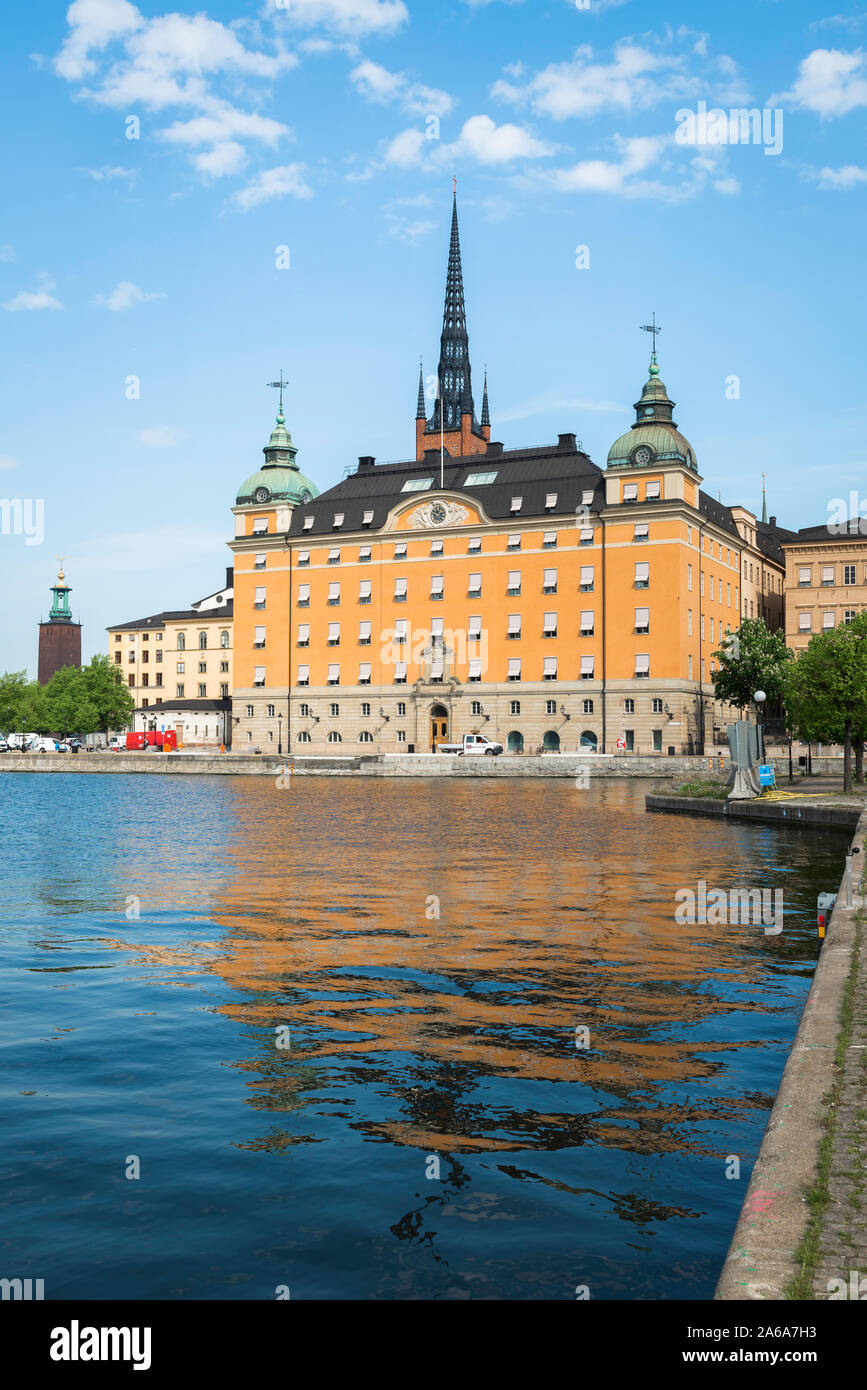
column 60, row 575
column 421, row 409
column 486, row 416
column 654, row 329
column 279, row 385
column 764, row 500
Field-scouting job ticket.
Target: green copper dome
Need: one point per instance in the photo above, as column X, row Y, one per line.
column 279, row 479
column 654, row 438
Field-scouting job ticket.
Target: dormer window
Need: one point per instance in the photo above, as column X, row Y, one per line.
column 308, row 523
column 517, row 504
column 587, row 497
column 338, row 520
column 550, row 501
column 367, row 519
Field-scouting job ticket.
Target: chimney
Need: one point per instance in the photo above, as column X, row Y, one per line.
column 772, row 521
column 494, row 448
column 365, row 463
column 566, row 443
column 432, row 456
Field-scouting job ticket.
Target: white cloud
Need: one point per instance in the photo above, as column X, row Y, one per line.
column 842, row 180
column 93, row 25
column 405, row 149
column 376, row 83
column 273, row 183
column 347, row 17
column 483, row 140
column 625, row 177
column 226, row 158
column 162, row 437
column 175, row 60
column 30, row 300
column 124, row 296
column 6, row 461
column 108, row 173
column 830, row 82
column 610, row 176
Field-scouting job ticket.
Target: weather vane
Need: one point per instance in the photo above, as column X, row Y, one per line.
column 652, row 328
column 278, row 385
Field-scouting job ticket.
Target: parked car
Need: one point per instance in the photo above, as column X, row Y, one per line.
column 4, row 746
column 472, row 743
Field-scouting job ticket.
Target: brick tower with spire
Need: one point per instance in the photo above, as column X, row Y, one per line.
column 454, row 413
column 60, row 637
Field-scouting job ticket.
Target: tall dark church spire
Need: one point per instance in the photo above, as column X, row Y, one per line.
column 420, row 410
column 454, row 410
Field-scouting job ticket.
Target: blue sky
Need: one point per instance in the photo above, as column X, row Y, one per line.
column 333, row 128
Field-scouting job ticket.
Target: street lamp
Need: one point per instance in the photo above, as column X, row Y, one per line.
column 760, row 698
column 280, row 734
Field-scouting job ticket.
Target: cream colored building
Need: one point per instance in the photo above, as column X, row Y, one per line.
column 826, row 582
column 178, row 668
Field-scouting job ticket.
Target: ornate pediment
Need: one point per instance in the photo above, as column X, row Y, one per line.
column 438, row 512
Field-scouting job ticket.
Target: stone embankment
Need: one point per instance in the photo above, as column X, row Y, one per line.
column 802, row 1231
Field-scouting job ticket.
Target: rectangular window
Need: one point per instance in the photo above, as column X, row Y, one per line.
column 308, row 523
column 401, row 629
column 849, row 574
column 805, row 622
column 364, row 553
column 514, row 668
column 480, row 479
column 436, row 547
column 474, row 627
column 641, row 532
column 400, row 673
column 517, row 504
column 338, row 520
column 260, row 525
column 642, row 664
column 401, row 708
column 588, row 706
column 303, row 595
column 400, row 552
column 401, row 735
column 549, row 540
column 827, row 620
column 587, row 579
column 334, row 557
column 657, row 740
column 549, row 625
column 258, row 675
column 514, row 706
column 303, row 677
column 303, row 559
column 474, row 545
column 259, row 601
column 514, row 630
column 642, row 576
column 334, row 674
column 549, row 585
column 416, row 484
column 261, row 559
column 334, row 593
column 514, row 584
column 587, row 622
column 629, row 706
column 549, row 671
column 630, row 492
column 588, row 666
column 475, row 668
column 514, row 543
column 849, row 616
column 203, row 692
column 364, row 673
column 364, row 630
column 651, row 492
column 550, row 501
column 702, row 627
column 642, row 620
column 304, row 634
column 656, row 706
column 436, row 667
column 364, row 591
column 180, row 667
column 474, row 586
column 828, row 575
column 436, row 628
column 689, row 577
column 585, row 535
column 367, row 518
column 436, row 586
column 334, row 634
column 258, row 639
column 400, row 591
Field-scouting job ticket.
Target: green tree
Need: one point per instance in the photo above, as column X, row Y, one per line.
column 757, row 659
column 826, row 690
column 12, row 688
column 104, row 688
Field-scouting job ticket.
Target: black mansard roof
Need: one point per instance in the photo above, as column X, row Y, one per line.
column 529, row 473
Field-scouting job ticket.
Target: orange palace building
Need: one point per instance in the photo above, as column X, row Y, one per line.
column 525, row 594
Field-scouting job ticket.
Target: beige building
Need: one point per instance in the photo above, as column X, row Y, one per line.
column 826, row 581
column 178, row 668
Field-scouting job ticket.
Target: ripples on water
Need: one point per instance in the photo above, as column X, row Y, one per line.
column 410, row 1037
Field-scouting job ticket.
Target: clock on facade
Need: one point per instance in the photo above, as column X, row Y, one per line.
column 642, row 455
column 438, row 513
column 262, row 494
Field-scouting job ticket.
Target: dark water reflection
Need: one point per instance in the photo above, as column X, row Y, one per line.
column 414, row 1039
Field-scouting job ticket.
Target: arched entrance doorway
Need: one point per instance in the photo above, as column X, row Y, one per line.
column 588, row 740
column 551, row 741
column 439, row 726
column 515, row 742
